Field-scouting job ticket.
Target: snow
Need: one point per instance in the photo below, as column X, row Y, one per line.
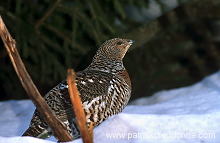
column 185, row 115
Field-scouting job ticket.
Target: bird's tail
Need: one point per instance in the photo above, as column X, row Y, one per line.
column 38, row 132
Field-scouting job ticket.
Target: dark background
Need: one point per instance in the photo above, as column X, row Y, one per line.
column 177, row 41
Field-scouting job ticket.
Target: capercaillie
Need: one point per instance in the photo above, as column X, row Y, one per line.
column 104, row 87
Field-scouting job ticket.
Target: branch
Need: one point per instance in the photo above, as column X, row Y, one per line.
column 77, row 105
column 57, row 127
column 184, row 12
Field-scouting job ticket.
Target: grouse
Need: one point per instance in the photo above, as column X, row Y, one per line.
column 104, row 87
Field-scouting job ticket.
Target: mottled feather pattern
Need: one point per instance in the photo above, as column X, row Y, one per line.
column 104, row 87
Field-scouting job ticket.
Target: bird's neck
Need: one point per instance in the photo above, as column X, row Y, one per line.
column 107, row 65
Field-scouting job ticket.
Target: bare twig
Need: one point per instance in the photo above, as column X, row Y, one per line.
column 57, row 127
column 77, row 105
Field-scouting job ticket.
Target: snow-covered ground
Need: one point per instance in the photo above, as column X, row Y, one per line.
column 185, row 115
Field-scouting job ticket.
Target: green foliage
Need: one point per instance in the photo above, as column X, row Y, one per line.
column 52, row 36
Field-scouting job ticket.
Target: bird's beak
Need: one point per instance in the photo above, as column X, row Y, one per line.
column 131, row 41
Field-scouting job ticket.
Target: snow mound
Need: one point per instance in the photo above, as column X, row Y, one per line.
column 185, row 115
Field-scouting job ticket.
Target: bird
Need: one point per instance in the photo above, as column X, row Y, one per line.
column 104, row 88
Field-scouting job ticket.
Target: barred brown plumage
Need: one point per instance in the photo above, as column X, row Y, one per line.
column 104, row 87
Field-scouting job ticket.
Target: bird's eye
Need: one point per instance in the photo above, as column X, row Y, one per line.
column 119, row 43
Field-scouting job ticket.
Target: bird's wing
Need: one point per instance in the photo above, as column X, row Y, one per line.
column 92, row 84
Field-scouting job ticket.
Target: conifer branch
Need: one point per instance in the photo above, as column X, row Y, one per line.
column 57, row 127
column 48, row 13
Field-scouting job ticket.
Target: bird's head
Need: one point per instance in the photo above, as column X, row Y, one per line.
column 114, row 48
column 109, row 56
